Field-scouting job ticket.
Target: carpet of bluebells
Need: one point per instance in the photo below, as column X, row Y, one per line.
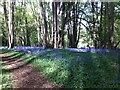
column 77, row 68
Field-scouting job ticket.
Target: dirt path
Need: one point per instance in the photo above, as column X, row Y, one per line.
column 25, row 76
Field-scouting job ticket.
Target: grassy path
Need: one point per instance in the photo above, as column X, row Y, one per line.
column 24, row 75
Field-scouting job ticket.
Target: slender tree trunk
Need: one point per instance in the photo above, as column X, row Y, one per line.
column 101, row 27
column 27, row 33
column 106, row 25
column 94, row 38
column 11, row 24
column 6, row 17
column 78, row 36
column 54, row 6
column 55, row 24
column 38, row 24
column 58, row 23
column 5, row 14
column 53, row 28
column 39, row 34
column 63, row 25
column 74, row 44
column 111, row 25
column 45, row 25
column 74, row 28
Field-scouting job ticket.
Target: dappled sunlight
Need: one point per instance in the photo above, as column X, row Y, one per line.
column 93, row 67
column 71, row 45
column 76, row 69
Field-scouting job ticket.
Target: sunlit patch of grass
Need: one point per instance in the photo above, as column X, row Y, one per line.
column 5, row 77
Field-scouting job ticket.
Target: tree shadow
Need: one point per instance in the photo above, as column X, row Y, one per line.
column 14, row 62
column 2, row 51
column 90, row 72
column 94, row 71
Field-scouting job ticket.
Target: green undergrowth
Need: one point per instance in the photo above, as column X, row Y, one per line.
column 76, row 69
column 80, row 69
column 5, row 73
column 4, row 76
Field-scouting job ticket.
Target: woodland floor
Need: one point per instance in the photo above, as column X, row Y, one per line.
column 24, row 75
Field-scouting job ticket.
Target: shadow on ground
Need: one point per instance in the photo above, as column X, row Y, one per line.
column 87, row 69
column 13, row 63
column 90, row 71
column 23, row 74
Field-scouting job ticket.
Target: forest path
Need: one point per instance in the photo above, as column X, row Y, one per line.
column 25, row 75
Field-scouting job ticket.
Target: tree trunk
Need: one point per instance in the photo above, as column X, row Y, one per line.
column 111, row 25
column 63, row 25
column 5, row 13
column 27, row 33
column 6, row 17
column 101, row 27
column 53, row 28
column 38, row 24
column 39, row 34
column 106, row 26
column 54, row 7
column 55, row 25
column 58, row 23
column 93, row 27
column 11, row 24
column 45, row 25
column 74, row 43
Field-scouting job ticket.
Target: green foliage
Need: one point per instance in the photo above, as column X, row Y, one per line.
column 5, row 80
column 95, row 33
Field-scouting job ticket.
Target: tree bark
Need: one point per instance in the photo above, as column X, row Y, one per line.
column 55, row 24
column 53, row 28
column 11, row 24
column 63, row 25
column 106, row 25
column 101, row 27
column 111, row 25
column 5, row 13
column 27, row 33
column 93, row 27
column 38, row 23
column 45, row 25
column 74, row 44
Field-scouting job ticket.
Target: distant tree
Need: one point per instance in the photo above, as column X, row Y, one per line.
column 37, row 19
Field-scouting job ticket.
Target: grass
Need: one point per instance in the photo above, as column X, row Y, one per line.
column 5, row 81
column 76, row 69
column 80, row 70
column 4, row 76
